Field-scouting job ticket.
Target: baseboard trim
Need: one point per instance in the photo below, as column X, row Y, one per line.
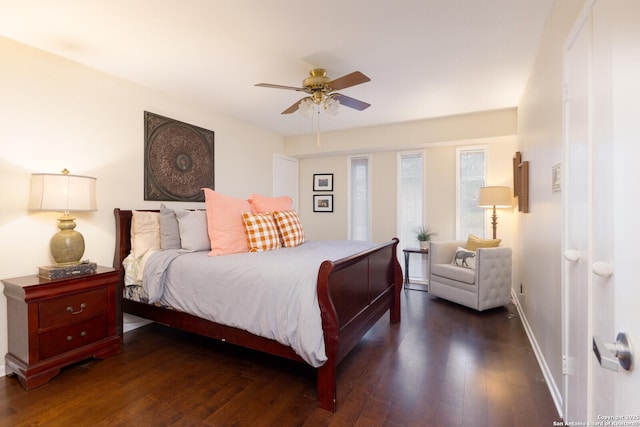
column 546, row 372
column 131, row 322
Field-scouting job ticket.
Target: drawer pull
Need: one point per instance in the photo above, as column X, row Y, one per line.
column 82, row 334
column 70, row 309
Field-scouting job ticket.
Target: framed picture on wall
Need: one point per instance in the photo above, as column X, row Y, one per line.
column 322, row 182
column 323, row 202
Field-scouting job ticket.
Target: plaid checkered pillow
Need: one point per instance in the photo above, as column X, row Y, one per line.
column 289, row 228
column 262, row 234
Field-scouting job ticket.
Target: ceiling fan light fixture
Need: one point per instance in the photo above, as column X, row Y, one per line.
column 311, row 106
column 331, row 106
column 307, row 108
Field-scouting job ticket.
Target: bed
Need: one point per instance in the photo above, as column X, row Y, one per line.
column 353, row 293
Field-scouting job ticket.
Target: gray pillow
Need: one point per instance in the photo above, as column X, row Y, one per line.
column 194, row 235
column 169, row 232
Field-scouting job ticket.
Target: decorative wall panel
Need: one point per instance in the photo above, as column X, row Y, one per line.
column 178, row 160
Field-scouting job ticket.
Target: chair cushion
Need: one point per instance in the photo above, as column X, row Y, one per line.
column 454, row 272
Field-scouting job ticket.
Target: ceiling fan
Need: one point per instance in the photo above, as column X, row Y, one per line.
column 321, row 89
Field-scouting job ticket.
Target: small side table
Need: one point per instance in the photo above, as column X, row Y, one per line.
column 407, row 252
column 54, row 323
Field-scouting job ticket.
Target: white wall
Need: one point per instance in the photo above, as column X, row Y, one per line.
column 58, row 114
column 540, row 141
column 438, row 138
column 406, row 135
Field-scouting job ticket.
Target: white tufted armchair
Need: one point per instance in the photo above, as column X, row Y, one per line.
column 486, row 286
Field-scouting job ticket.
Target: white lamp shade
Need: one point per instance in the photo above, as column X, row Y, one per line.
column 500, row 197
column 62, row 192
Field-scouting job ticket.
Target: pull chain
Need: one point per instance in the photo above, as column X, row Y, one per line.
column 318, row 129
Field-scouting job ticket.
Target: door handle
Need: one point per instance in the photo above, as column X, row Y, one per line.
column 602, row 268
column 572, row 255
column 609, row 355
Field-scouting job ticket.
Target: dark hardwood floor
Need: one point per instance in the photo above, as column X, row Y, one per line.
column 444, row 365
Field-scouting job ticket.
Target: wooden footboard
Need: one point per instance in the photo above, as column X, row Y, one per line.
column 353, row 294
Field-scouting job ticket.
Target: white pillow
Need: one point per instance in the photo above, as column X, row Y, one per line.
column 145, row 232
column 464, row 258
column 193, row 230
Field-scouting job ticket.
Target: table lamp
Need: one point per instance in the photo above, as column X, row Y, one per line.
column 494, row 197
column 66, row 193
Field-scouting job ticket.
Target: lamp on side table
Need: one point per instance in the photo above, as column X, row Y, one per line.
column 65, row 193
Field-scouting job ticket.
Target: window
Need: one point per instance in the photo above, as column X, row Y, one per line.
column 359, row 198
column 411, row 206
column 471, row 173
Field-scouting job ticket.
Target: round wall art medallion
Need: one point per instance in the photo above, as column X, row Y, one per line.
column 179, row 160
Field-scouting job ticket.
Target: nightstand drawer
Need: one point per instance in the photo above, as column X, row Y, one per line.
column 72, row 308
column 67, row 338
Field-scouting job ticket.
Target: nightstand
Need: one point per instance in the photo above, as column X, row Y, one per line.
column 54, row 323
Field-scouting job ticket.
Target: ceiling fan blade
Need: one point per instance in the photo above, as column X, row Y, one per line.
column 295, row 106
column 349, row 80
column 350, row 102
column 300, row 89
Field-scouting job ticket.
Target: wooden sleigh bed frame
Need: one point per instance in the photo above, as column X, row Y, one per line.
column 353, row 293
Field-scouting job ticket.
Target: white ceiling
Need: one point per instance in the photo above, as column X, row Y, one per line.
column 425, row 58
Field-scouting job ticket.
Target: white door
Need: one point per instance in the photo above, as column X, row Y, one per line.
column 603, row 285
column 577, row 221
column 607, row 48
column 285, row 178
column 617, row 54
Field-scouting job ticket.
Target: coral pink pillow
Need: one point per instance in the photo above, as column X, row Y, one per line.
column 262, row 204
column 224, row 223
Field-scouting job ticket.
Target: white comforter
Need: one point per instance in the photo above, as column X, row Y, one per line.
column 271, row 294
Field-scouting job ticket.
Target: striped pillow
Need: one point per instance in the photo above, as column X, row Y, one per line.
column 262, row 234
column 289, row 228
